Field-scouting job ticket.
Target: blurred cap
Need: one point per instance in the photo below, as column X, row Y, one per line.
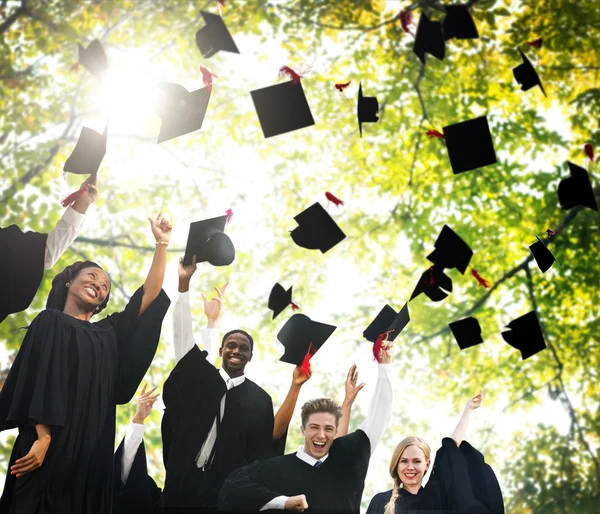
column 542, row 255
column 208, row 242
column 450, row 251
column 316, row 229
column 467, row 332
column 577, row 189
column 366, row 109
column 214, row 36
column 387, row 319
column 433, row 283
column 298, row 333
column 469, row 145
column 282, row 108
column 526, row 75
column 458, row 23
column 93, row 58
column 525, row 335
column 181, row 111
column 88, row 152
column 279, row 299
column 429, row 39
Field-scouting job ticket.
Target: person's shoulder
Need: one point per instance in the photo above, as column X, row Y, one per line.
column 256, row 390
column 383, row 496
column 353, row 441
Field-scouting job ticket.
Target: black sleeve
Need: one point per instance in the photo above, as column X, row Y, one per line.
column 137, row 339
column 356, row 444
column 260, row 435
column 35, row 391
column 378, row 503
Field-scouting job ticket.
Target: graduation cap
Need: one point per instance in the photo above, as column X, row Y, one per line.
column 542, row 255
column 88, row 152
column 526, row 75
column 316, row 229
column 366, row 109
column 429, row 39
column 93, row 58
column 434, row 283
column 301, row 336
column 525, row 335
column 451, row 251
column 282, row 108
column 214, row 36
column 208, row 242
column 387, row 319
column 180, row 110
column 458, row 23
column 577, row 189
column 469, row 145
column 279, row 299
column 467, row 332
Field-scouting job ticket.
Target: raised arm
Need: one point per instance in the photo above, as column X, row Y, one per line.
column 351, row 391
column 461, row 429
column 286, row 411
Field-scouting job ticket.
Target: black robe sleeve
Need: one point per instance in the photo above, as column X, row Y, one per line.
column 260, row 434
column 137, row 340
column 35, row 391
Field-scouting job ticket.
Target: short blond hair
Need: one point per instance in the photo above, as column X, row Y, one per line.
column 320, row 405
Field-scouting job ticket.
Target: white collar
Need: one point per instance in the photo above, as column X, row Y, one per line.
column 231, row 382
column 302, row 455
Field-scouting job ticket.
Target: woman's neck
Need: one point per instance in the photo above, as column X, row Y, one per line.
column 77, row 312
column 412, row 489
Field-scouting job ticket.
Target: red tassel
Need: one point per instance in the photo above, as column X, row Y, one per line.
column 378, row 346
column 342, row 85
column 73, row 196
column 482, row 281
column 286, row 70
column 305, row 366
column 435, row 133
column 294, row 306
column 333, row 199
column 536, row 43
column 589, row 151
column 430, row 278
column 550, row 232
column 406, row 20
column 229, row 214
column 207, row 76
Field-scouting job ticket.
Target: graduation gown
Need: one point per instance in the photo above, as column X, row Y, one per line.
column 336, row 486
column 461, row 483
column 192, row 396
column 70, row 374
column 22, row 257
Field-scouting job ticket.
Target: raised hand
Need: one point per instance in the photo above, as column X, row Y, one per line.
column 161, row 229
column 475, row 402
column 297, row 503
column 387, row 352
column 88, row 196
column 299, row 377
column 213, row 307
column 351, row 388
column 186, row 272
column 145, row 404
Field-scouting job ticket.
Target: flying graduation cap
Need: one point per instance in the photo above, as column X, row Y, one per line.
column 93, row 58
column 542, row 255
column 214, row 36
column 470, row 145
column 577, row 189
column 88, row 152
column 525, row 335
column 451, row 251
column 316, row 229
column 467, row 332
column 208, row 242
column 180, row 110
column 367, row 108
column 526, row 76
column 429, row 39
column 387, row 320
column 434, row 283
column 302, row 336
column 458, row 23
column 279, row 299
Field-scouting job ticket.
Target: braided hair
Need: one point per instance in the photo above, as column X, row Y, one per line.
column 57, row 298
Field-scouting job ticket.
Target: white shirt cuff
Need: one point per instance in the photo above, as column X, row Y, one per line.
column 72, row 217
column 277, row 503
column 185, row 297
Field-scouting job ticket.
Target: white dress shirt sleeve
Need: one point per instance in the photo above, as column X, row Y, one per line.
column 211, row 343
column 62, row 235
column 183, row 336
column 133, row 438
column 276, row 503
column 380, row 409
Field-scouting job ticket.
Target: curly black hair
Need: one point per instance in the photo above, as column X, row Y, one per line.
column 238, row 331
column 58, row 294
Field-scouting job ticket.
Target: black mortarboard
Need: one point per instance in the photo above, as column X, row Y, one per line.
column 301, row 335
column 542, row 255
column 208, row 242
column 470, row 145
column 93, row 58
column 22, row 257
column 387, row 319
column 429, row 39
column 279, row 299
column 577, row 189
column 180, row 110
column 433, row 283
column 526, row 335
column 526, row 75
column 88, row 152
column 467, row 332
column 451, row 251
column 214, row 36
column 282, row 108
column 458, row 23
column 316, row 229
column 367, row 108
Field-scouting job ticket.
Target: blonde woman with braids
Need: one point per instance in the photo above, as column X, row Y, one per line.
column 461, row 482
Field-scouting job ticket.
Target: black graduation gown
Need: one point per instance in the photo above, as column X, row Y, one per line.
column 70, row 374
column 461, row 483
column 336, row 486
column 192, row 396
column 22, row 256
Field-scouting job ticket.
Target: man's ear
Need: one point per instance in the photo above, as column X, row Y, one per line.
column 302, row 429
column 221, row 351
column 251, row 354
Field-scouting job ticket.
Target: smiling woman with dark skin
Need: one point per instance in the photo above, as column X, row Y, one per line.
column 66, row 381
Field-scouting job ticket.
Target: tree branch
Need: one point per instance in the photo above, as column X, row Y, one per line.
column 114, row 243
column 6, row 24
